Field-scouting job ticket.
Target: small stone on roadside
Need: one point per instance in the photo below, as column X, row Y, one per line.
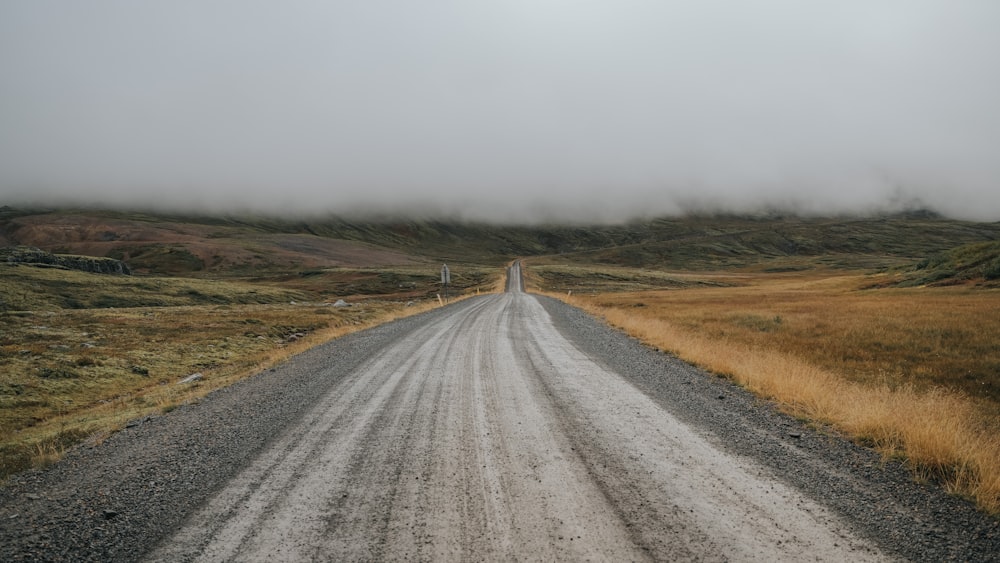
column 191, row 378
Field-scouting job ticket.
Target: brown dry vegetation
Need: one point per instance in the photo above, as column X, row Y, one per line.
column 156, row 245
column 913, row 372
column 81, row 354
column 69, row 375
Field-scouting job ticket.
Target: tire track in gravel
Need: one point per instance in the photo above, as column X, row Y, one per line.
column 488, row 435
column 505, row 427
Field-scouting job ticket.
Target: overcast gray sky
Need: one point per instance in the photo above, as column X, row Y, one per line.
column 594, row 109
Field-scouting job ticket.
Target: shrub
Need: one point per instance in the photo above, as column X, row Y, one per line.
column 57, row 373
column 992, row 270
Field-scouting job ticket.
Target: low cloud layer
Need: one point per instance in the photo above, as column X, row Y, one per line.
column 514, row 110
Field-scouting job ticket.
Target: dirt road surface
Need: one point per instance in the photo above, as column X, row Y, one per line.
column 487, row 435
column 484, row 432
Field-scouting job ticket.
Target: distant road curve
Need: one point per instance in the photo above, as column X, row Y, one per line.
column 502, row 427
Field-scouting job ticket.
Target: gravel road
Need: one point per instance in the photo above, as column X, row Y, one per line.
column 503, row 427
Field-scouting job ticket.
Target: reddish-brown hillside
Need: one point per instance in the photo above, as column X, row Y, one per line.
column 166, row 247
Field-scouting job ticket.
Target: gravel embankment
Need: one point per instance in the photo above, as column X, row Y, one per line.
column 117, row 500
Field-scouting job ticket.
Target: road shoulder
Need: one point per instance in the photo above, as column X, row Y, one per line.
column 877, row 498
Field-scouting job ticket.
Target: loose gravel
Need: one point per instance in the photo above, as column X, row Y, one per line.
column 913, row 521
column 117, row 500
column 113, row 502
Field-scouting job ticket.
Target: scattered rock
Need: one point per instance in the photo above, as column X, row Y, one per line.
column 341, row 303
column 59, row 347
column 92, row 264
column 137, row 421
column 191, row 378
column 139, row 370
column 794, row 434
column 57, row 373
column 109, row 514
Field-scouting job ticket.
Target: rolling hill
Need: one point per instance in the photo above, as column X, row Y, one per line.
column 214, row 246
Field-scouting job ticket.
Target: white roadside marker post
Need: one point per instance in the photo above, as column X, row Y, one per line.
column 445, row 280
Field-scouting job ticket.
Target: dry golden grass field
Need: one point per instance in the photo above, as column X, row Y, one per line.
column 82, row 354
column 913, row 372
column 908, row 362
